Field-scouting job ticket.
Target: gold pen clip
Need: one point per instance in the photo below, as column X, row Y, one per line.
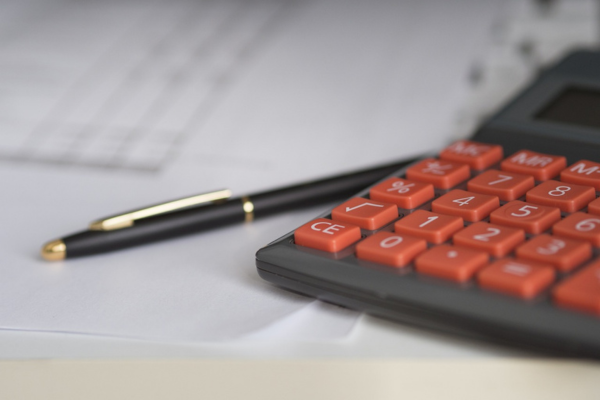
column 128, row 219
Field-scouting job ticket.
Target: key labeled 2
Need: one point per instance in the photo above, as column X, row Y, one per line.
column 496, row 240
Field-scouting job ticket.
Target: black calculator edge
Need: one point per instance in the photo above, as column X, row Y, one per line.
column 385, row 305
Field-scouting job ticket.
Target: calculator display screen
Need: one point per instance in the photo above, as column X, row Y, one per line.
column 574, row 106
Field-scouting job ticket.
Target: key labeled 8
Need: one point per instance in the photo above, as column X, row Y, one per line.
column 567, row 197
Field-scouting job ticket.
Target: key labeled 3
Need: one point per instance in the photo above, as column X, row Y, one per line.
column 562, row 253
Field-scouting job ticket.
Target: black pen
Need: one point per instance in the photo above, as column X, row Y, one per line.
column 206, row 211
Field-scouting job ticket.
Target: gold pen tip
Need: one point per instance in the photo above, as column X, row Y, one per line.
column 55, row 250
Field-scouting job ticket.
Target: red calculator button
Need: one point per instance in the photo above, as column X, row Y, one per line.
column 541, row 166
column 594, row 207
column 566, row 196
column 401, row 192
column 496, row 240
column 390, row 249
column 368, row 214
column 564, row 254
column 327, row 235
column 532, row 218
column 580, row 226
column 506, row 185
column 435, row 228
column 581, row 291
column 583, row 172
column 520, row 278
column 477, row 155
column 441, row 174
column 467, row 205
column 449, row 262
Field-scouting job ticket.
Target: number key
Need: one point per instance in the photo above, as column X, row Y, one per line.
column 390, row 249
column 435, row 228
column 564, row 254
column 580, row 226
column 532, row 218
column 566, row 196
column 506, row 185
column 494, row 239
column 470, row 206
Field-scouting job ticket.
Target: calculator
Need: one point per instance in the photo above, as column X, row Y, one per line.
column 497, row 236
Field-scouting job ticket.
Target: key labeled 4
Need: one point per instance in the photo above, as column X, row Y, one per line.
column 467, row 205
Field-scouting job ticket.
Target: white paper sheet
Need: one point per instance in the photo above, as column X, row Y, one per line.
column 108, row 106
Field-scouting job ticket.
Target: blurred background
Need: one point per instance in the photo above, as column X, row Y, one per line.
column 128, row 84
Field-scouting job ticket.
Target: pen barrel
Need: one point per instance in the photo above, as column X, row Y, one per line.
column 194, row 219
column 158, row 228
column 318, row 192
